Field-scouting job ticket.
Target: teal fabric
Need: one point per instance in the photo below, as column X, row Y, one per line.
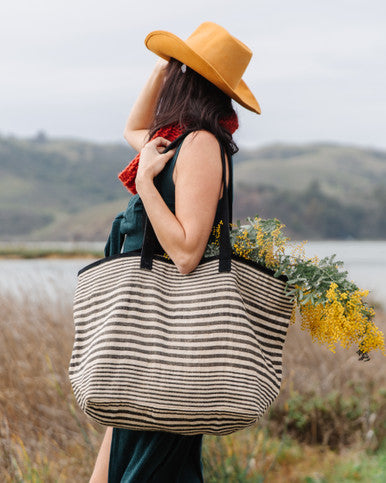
column 152, row 456
column 132, row 223
column 156, row 457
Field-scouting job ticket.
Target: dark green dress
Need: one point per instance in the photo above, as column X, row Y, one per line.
column 153, row 456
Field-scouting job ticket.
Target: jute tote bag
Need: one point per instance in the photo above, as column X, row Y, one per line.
column 192, row 354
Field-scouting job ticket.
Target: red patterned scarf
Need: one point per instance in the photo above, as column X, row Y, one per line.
column 171, row 132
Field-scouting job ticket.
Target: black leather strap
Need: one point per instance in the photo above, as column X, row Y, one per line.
column 225, row 204
column 225, row 211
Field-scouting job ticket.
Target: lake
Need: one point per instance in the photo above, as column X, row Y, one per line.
column 365, row 262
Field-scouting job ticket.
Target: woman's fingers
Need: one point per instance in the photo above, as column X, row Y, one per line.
column 168, row 154
column 153, row 158
column 158, row 145
column 160, row 142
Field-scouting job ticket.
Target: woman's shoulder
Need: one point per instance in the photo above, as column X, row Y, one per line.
column 199, row 158
column 201, row 144
column 196, row 138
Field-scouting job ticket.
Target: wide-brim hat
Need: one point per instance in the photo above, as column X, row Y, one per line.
column 212, row 52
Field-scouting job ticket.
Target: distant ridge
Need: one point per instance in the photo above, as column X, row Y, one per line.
column 67, row 189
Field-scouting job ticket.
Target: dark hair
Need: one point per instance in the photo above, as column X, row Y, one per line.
column 195, row 103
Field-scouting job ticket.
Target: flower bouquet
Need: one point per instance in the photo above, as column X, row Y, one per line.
column 331, row 307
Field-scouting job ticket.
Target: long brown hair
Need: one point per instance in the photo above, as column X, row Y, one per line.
column 190, row 100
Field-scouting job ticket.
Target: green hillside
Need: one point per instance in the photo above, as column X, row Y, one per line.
column 318, row 190
column 43, row 184
column 344, row 172
column 67, row 189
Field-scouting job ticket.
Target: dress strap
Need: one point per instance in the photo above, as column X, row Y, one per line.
column 173, row 162
column 164, row 180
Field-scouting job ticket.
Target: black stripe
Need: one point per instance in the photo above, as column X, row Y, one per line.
column 266, row 342
column 177, row 385
column 174, row 343
column 165, row 312
column 116, row 355
column 181, row 417
column 128, row 275
column 205, row 354
column 93, row 377
column 213, row 426
column 129, row 271
column 210, row 330
column 183, row 304
column 160, row 258
column 108, row 368
column 240, row 404
column 246, row 402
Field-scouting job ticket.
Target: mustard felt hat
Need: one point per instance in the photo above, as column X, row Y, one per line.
column 212, row 52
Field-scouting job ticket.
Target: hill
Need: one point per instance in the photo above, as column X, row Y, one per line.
column 344, row 172
column 44, row 184
column 318, row 190
column 67, row 189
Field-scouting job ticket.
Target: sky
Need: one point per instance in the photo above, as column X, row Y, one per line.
column 73, row 68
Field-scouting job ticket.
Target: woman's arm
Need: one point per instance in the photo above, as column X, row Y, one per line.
column 141, row 115
column 101, row 468
column 184, row 235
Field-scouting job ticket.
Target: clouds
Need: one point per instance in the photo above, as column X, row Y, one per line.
column 75, row 67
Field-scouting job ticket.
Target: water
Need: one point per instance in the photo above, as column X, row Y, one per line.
column 51, row 278
column 365, row 262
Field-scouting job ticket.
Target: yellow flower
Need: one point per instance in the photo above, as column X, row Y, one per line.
column 331, row 316
column 342, row 320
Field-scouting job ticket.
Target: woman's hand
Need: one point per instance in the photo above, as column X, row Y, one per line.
column 152, row 160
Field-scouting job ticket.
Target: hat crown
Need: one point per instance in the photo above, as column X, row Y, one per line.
column 212, row 52
column 219, row 48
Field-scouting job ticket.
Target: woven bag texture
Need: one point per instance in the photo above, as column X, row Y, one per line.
column 190, row 354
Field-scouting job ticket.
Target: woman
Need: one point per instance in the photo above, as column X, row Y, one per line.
column 190, row 89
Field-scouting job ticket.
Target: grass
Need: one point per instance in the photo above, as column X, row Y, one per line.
column 328, row 424
column 271, row 460
column 30, row 250
column 29, row 253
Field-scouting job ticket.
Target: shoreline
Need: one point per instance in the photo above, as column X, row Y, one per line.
column 51, row 249
column 12, row 254
column 95, row 249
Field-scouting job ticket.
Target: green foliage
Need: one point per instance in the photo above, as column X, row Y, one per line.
column 315, row 278
column 333, row 419
column 303, row 274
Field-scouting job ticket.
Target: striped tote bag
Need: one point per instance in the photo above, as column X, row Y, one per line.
column 191, row 354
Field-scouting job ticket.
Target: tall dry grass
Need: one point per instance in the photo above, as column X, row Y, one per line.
column 44, row 437
column 342, row 398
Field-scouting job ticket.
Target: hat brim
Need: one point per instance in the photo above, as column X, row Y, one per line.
column 167, row 45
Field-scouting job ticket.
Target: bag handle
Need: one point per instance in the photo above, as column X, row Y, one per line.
column 225, row 203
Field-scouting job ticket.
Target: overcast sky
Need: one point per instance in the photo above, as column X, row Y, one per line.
column 74, row 67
